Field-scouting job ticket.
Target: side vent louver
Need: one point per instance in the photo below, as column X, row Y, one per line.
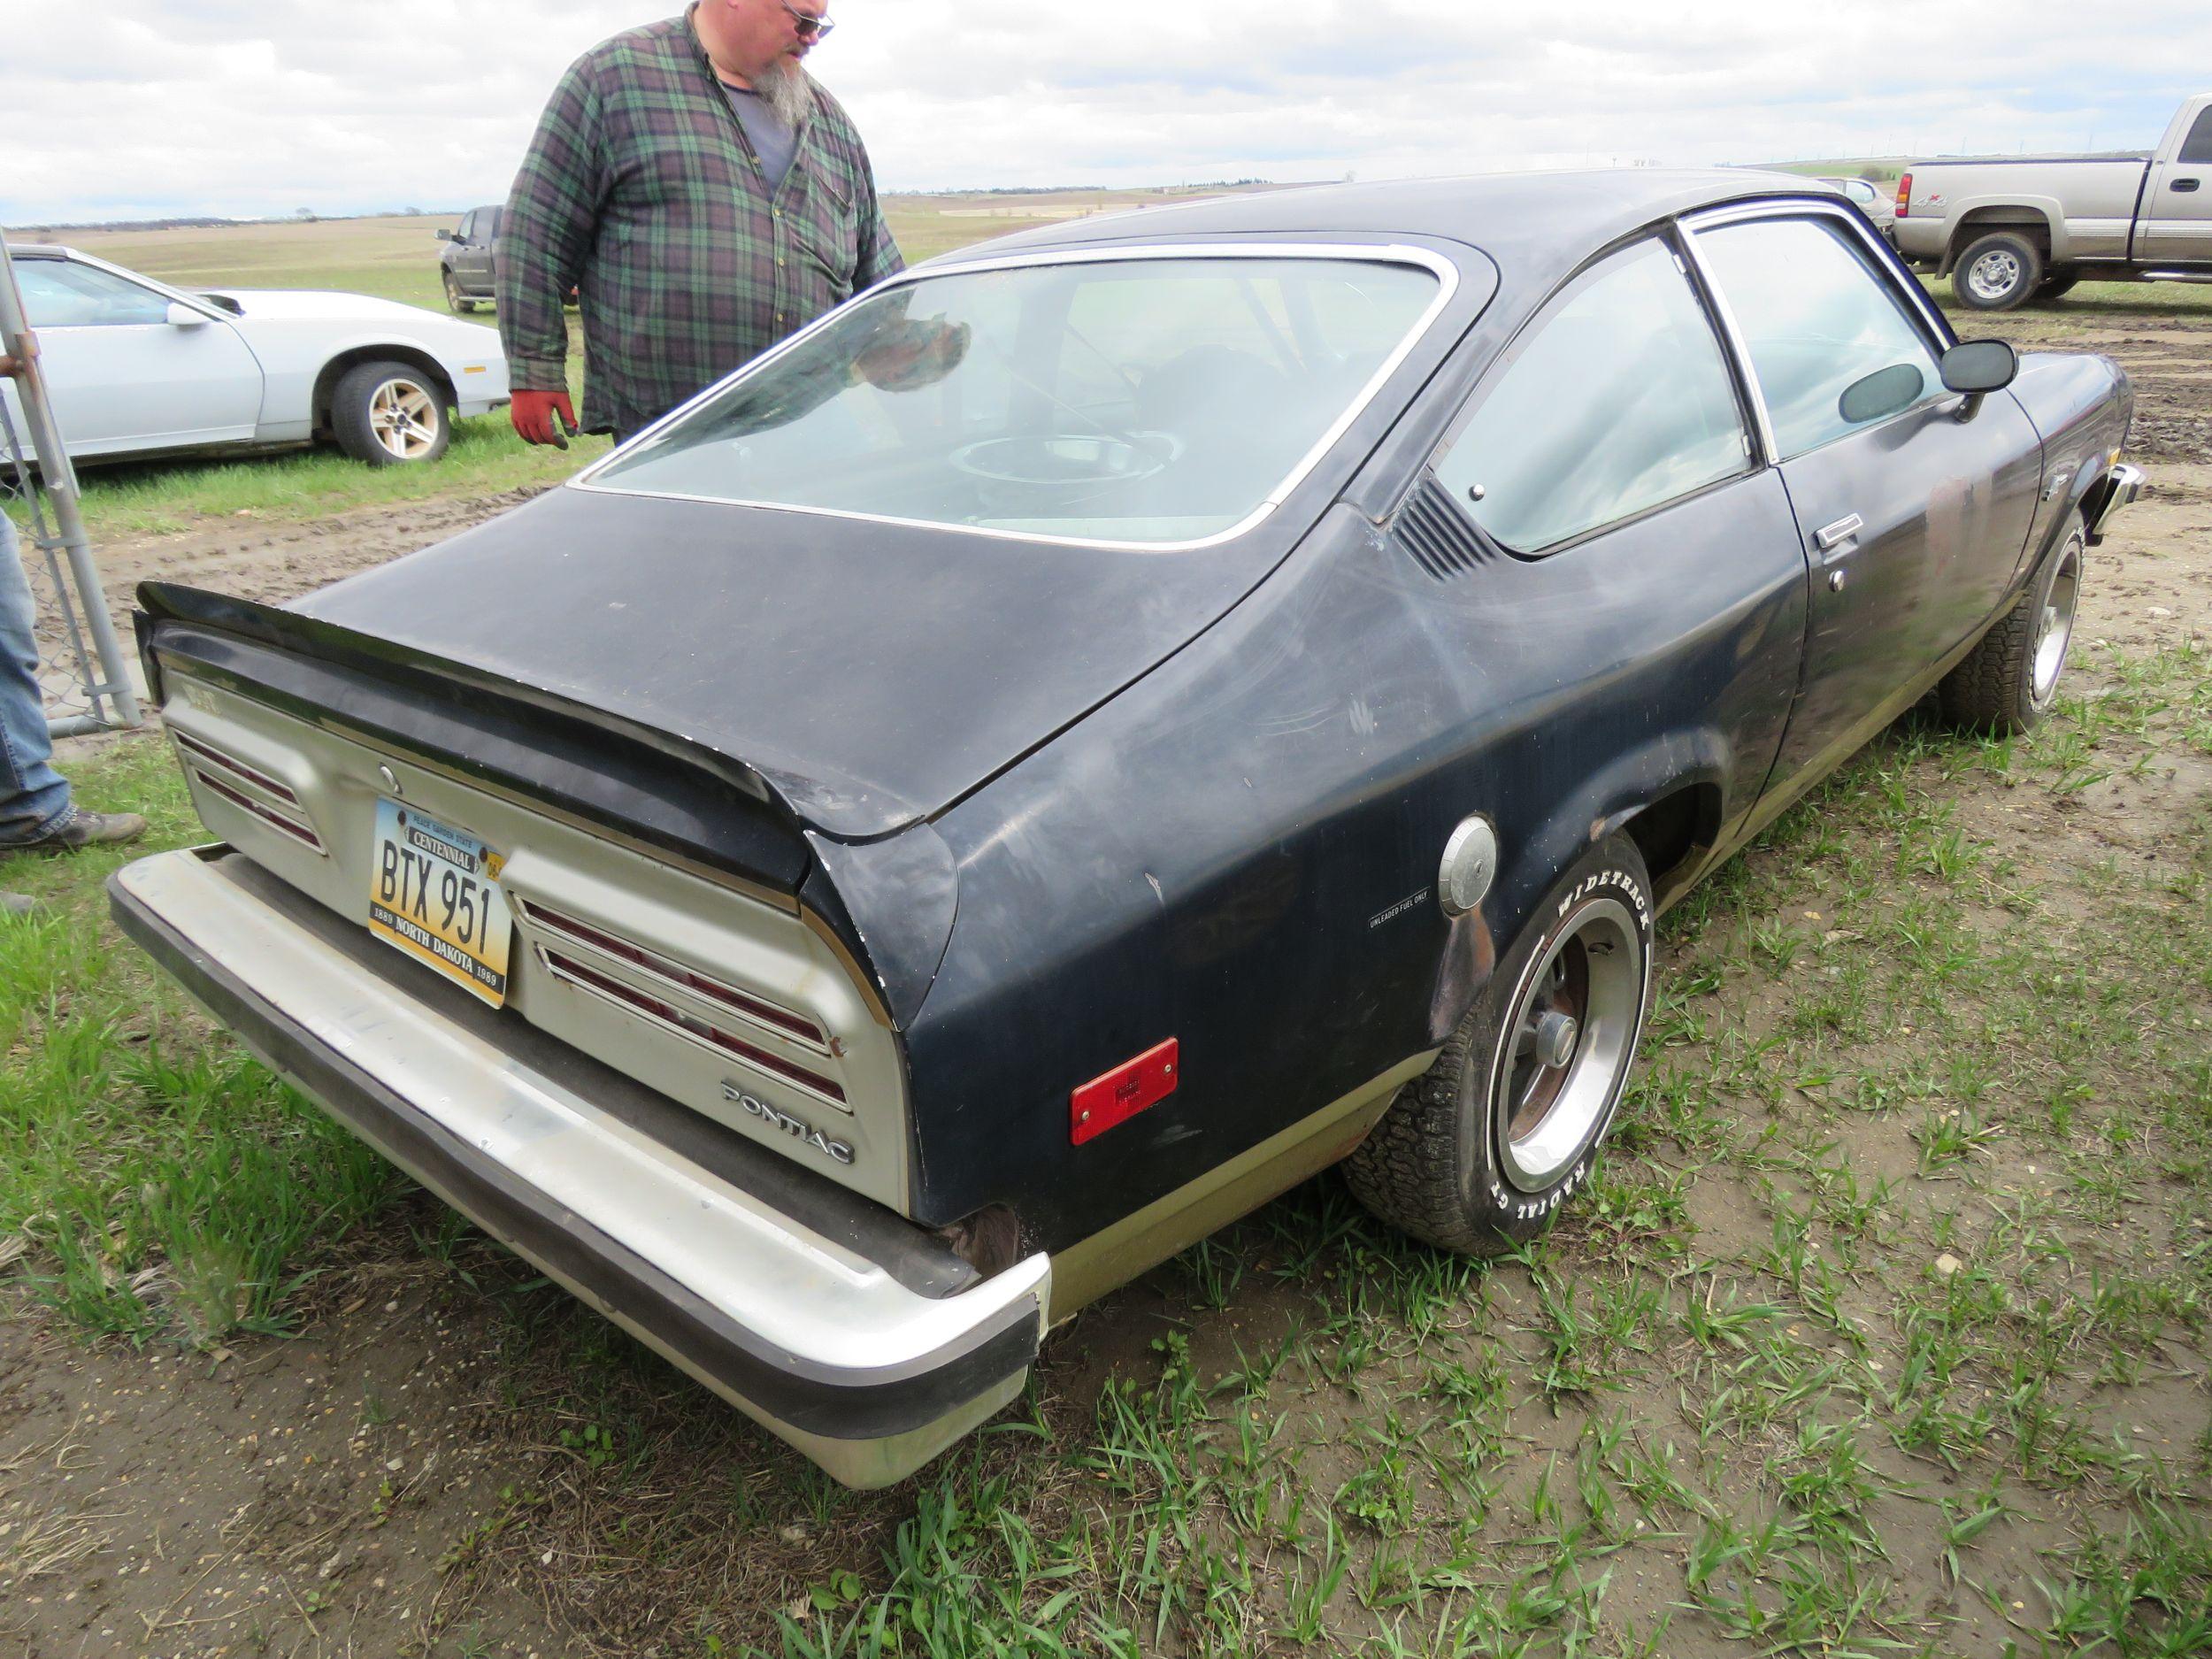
column 1437, row 534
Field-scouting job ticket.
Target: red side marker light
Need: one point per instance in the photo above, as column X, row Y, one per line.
column 1124, row 1092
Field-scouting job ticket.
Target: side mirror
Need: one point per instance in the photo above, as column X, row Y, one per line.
column 1884, row 392
column 184, row 316
column 444, row 235
column 1979, row 367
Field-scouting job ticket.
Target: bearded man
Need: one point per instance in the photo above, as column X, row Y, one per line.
column 704, row 197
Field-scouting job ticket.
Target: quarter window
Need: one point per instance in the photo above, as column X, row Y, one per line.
column 2198, row 146
column 1618, row 400
column 1818, row 321
column 61, row 294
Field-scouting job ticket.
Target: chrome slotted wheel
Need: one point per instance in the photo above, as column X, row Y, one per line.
column 1994, row 275
column 404, row 416
column 2054, row 628
column 1568, row 1040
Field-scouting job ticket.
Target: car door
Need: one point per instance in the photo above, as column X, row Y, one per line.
column 123, row 376
column 2178, row 202
column 1914, row 507
column 475, row 261
column 1652, row 591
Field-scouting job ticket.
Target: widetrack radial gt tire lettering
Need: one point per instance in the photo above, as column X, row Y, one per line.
column 1478, row 1154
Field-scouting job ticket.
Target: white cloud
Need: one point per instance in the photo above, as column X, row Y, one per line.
column 263, row 106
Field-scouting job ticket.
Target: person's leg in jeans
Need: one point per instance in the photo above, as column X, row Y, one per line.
column 33, row 797
column 35, row 810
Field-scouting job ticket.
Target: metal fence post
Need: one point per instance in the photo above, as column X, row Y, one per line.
column 110, row 687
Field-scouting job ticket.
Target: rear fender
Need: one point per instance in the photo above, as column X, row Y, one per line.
column 2040, row 216
column 1611, row 800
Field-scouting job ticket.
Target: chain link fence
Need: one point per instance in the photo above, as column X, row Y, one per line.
column 84, row 677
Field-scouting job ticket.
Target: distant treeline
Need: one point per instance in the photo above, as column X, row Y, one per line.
column 1078, row 189
column 127, row 224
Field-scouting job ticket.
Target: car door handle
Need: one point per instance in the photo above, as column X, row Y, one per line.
column 2184, row 185
column 1828, row 538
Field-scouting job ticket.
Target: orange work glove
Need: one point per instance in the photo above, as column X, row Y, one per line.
column 538, row 416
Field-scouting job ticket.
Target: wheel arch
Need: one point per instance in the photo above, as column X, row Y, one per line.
column 1668, row 794
column 2033, row 218
column 415, row 357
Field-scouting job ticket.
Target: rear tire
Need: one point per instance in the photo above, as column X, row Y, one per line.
column 2010, row 680
column 1997, row 272
column 389, row 414
column 1478, row 1155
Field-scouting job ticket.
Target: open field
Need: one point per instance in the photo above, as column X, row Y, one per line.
column 1884, row 1331
column 396, row 258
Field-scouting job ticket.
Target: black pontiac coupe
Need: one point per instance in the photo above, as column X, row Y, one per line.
column 1097, row 729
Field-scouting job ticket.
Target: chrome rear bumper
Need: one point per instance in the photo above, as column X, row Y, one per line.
column 840, row 1327
column 2120, row 489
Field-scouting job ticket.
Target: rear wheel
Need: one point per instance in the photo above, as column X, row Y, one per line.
column 389, row 414
column 1997, row 271
column 2009, row 682
column 455, row 298
column 1477, row 1155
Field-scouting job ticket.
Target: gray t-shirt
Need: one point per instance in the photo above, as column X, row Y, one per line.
column 773, row 141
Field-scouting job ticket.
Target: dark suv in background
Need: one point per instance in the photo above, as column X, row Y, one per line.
column 465, row 261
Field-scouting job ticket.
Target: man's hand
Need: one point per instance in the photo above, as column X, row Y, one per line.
column 912, row 353
column 539, row 417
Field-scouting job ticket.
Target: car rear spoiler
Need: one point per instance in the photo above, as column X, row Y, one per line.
column 664, row 792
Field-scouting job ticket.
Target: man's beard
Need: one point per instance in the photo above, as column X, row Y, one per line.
column 786, row 91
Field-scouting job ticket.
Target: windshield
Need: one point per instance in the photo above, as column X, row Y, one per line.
column 1150, row 400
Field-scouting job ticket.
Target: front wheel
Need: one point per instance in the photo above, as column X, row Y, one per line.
column 1478, row 1153
column 2057, row 286
column 1997, row 271
column 455, row 298
column 388, row 414
column 2008, row 681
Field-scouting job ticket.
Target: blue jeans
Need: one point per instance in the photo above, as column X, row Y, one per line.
column 33, row 797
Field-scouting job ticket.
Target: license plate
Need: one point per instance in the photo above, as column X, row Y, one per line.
column 434, row 891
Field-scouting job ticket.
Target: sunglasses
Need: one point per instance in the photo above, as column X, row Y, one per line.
column 806, row 22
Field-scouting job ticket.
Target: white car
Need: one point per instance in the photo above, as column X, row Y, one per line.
column 1877, row 204
column 137, row 367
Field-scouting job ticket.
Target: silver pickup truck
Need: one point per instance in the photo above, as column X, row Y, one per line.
column 2020, row 228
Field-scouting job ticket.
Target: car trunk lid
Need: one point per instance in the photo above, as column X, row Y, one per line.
column 871, row 672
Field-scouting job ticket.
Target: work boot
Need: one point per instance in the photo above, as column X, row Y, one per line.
column 84, row 829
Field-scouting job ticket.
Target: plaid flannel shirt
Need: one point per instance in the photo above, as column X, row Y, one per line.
column 641, row 191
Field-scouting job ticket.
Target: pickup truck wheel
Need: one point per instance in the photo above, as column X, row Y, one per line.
column 388, row 414
column 2010, row 680
column 1997, row 272
column 2057, row 286
column 1477, row 1155
column 453, row 297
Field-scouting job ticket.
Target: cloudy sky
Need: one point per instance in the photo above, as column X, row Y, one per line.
column 250, row 107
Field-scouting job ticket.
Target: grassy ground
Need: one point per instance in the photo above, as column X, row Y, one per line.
column 1883, row 1330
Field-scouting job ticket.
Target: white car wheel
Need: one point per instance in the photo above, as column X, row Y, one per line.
column 389, row 414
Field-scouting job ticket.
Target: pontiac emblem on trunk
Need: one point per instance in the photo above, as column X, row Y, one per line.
column 797, row 1128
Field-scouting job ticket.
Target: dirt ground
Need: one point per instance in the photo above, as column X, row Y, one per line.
column 420, row 1470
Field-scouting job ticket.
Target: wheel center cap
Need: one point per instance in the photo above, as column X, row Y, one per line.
column 1556, row 1035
